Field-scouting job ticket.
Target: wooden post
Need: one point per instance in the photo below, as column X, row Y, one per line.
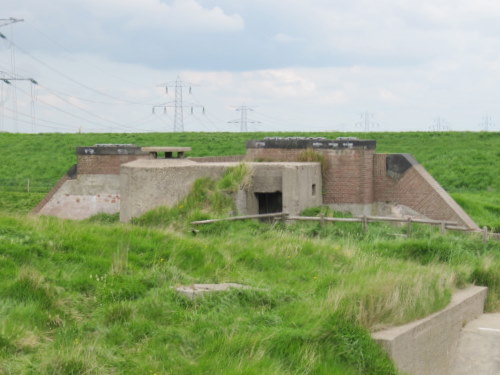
column 408, row 232
column 365, row 223
column 485, row 234
column 284, row 217
column 322, row 220
column 442, row 228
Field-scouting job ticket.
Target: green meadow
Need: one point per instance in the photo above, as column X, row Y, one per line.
column 97, row 296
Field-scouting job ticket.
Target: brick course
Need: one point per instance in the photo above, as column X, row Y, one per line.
column 105, row 164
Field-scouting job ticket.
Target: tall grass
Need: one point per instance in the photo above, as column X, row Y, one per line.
column 81, row 297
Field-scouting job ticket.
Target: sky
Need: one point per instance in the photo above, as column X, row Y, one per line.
column 298, row 65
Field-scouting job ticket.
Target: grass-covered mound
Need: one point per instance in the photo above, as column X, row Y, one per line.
column 83, row 298
column 97, row 297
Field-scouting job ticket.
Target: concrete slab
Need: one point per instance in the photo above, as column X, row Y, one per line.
column 197, row 290
column 428, row 346
column 479, row 347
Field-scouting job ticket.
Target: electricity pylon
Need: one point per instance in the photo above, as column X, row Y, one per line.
column 243, row 121
column 367, row 121
column 487, row 123
column 178, row 104
column 439, row 125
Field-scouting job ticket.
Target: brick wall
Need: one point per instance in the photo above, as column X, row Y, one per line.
column 105, row 164
column 416, row 189
column 347, row 179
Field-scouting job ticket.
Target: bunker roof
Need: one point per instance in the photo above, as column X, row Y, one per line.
column 314, row 143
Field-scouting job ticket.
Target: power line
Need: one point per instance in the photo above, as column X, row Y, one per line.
column 178, row 104
column 243, row 121
column 487, row 123
column 439, row 125
column 9, row 21
column 367, row 121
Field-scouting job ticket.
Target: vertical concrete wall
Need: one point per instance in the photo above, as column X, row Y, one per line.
column 428, row 346
column 146, row 184
column 84, row 196
column 301, row 187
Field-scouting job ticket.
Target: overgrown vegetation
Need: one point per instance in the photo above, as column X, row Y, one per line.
column 207, row 198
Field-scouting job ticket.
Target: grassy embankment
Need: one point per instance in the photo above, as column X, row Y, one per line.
column 96, row 297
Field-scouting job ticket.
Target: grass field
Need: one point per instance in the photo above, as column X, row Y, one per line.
column 96, row 297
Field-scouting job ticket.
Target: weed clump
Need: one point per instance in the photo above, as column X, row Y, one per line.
column 207, row 198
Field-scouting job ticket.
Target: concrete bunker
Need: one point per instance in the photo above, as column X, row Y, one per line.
column 344, row 173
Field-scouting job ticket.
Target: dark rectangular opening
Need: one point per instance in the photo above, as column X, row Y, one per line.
column 270, row 202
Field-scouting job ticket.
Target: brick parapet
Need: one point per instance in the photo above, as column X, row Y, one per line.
column 105, row 164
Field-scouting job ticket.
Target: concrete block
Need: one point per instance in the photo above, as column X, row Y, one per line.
column 428, row 346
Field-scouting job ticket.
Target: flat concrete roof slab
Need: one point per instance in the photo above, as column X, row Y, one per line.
column 165, row 149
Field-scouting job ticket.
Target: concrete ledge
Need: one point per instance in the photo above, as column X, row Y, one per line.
column 427, row 346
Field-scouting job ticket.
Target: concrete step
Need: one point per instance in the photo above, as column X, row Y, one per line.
column 478, row 349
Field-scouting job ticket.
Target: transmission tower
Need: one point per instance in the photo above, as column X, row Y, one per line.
column 8, row 21
column 9, row 80
column 367, row 121
column 243, row 121
column 439, row 125
column 12, row 78
column 487, row 123
column 178, row 103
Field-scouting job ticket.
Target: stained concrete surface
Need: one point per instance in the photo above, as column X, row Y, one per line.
column 85, row 196
column 478, row 350
column 428, row 346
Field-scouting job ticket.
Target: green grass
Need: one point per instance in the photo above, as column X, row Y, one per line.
column 96, row 296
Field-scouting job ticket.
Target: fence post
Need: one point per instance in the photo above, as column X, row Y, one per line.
column 284, row 217
column 442, row 228
column 408, row 232
column 322, row 220
column 365, row 223
column 485, row 234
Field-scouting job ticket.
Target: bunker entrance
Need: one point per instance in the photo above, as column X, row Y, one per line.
column 270, row 202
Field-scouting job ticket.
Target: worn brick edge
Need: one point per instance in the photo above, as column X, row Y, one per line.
column 69, row 175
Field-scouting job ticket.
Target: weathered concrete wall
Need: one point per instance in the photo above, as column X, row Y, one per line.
column 400, row 179
column 428, row 346
column 301, row 187
column 83, row 197
column 149, row 184
column 146, row 184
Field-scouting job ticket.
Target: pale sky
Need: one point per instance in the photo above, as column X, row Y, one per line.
column 302, row 65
